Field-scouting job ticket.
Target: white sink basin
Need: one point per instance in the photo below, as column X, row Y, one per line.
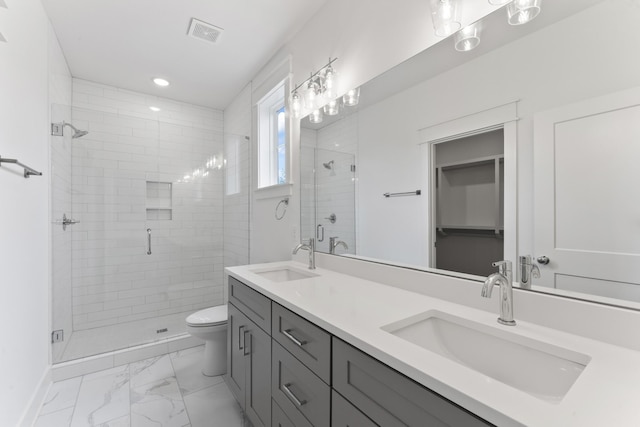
column 284, row 274
column 535, row 367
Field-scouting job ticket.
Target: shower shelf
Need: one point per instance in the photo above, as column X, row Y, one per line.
column 27, row 170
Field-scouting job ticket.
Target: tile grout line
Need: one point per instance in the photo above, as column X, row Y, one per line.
column 75, row 403
column 173, row 368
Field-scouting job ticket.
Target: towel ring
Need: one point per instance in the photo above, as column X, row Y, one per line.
column 282, row 202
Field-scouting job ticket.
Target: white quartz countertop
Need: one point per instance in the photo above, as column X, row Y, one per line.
column 607, row 392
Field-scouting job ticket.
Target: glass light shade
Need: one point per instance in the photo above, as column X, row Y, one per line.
column 446, row 17
column 332, row 108
column 522, row 11
column 467, row 38
column 330, row 83
column 352, row 97
column 296, row 104
column 311, row 95
column 316, row 116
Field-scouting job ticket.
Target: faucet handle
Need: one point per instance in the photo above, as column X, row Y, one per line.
column 503, row 266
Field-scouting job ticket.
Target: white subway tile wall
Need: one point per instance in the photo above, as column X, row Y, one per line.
column 237, row 125
column 115, row 280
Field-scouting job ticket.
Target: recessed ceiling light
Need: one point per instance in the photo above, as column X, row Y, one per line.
column 160, row 82
column 154, row 109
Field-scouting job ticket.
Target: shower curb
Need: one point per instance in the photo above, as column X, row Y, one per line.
column 87, row 365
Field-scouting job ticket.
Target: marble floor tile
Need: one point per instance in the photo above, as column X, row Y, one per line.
column 61, row 395
column 60, row 418
column 158, row 404
column 150, row 370
column 213, row 407
column 103, row 398
column 187, row 365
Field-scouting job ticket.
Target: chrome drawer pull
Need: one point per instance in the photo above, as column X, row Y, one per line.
column 293, row 397
column 240, row 335
column 296, row 341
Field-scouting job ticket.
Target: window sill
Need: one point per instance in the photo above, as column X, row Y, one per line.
column 273, row 191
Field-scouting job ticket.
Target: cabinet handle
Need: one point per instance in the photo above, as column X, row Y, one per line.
column 293, row 397
column 247, row 348
column 296, row 341
column 240, row 335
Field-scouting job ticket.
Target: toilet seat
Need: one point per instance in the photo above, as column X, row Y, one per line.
column 208, row 317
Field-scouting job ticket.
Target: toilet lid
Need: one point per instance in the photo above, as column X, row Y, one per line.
column 208, row 316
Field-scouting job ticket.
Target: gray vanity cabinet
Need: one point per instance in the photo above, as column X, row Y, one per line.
column 249, row 352
column 389, row 398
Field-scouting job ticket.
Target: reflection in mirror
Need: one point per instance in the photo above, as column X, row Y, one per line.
column 577, row 56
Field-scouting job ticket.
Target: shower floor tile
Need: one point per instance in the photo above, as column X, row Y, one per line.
column 168, row 391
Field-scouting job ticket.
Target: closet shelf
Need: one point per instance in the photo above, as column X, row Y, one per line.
column 479, row 161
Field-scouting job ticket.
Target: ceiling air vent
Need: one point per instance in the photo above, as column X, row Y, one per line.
column 203, row 31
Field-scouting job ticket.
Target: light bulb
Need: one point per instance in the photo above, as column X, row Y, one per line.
column 316, row 116
column 296, row 104
column 468, row 38
column 352, row 97
column 445, row 15
column 522, row 11
column 332, row 108
column 330, row 83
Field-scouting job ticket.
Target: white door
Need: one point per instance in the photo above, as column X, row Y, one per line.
column 587, row 196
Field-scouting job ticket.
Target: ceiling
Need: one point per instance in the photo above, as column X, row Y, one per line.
column 126, row 43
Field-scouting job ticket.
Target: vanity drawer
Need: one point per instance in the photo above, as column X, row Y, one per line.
column 253, row 304
column 280, row 419
column 389, row 398
column 344, row 414
column 300, row 393
column 310, row 344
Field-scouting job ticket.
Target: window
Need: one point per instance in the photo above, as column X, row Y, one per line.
column 272, row 139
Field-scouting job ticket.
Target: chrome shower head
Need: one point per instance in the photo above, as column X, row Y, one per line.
column 57, row 130
column 328, row 165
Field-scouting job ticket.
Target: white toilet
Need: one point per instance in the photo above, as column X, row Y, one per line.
column 210, row 325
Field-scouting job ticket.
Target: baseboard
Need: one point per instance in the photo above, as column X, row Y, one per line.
column 37, row 399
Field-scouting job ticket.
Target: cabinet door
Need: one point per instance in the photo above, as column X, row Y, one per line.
column 258, row 376
column 344, row 414
column 236, row 370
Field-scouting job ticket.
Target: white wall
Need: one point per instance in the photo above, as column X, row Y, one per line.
column 28, row 57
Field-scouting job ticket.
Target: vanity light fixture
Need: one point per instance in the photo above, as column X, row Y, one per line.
column 352, row 97
column 446, row 17
column 316, row 90
column 467, row 38
column 522, row 11
column 316, row 116
column 160, row 82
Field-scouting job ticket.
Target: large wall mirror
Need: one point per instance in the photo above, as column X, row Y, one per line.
column 524, row 146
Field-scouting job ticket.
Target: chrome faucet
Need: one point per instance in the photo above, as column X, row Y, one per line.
column 333, row 244
column 528, row 270
column 504, row 279
column 311, row 247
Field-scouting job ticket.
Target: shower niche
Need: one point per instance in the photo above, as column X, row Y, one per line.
column 158, row 200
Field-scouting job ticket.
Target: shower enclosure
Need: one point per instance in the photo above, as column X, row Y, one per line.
column 145, row 201
column 328, row 199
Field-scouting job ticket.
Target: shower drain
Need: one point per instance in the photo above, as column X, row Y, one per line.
column 159, row 331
